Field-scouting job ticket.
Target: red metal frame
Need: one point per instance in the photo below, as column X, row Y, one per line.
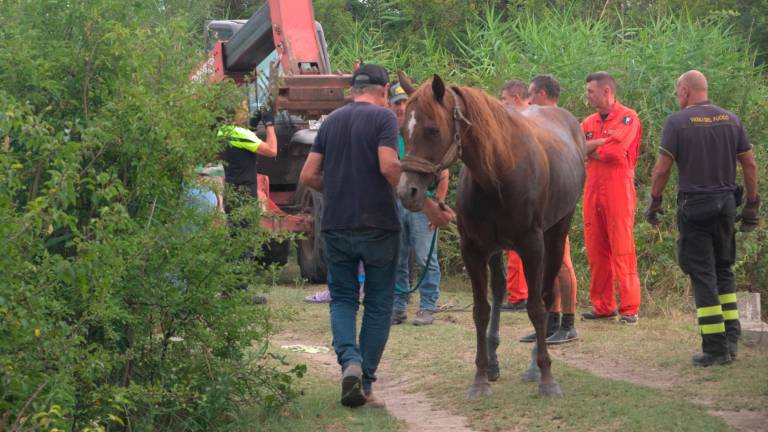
column 211, row 69
column 274, row 218
column 306, row 89
column 293, row 28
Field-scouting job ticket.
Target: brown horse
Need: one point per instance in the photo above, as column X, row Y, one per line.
column 523, row 174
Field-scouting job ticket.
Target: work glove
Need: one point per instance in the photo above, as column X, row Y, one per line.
column 268, row 118
column 749, row 215
column 654, row 210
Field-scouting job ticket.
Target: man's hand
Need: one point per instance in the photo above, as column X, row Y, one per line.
column 268, row 119
column 749, row 215
column 592, row 145
column 439, row 214
column 654, row 210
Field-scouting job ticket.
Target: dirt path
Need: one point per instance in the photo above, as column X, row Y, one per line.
column 412, row 408
column 742, row 420
column 617, row 369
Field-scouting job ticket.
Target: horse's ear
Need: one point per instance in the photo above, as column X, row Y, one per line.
column 438, row 88
column 405, row 82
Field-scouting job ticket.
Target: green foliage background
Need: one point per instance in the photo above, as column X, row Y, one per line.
column 645, row 45
column 119, row 305
column 118, row 311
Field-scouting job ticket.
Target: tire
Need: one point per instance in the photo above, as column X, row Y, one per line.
column 311, row 250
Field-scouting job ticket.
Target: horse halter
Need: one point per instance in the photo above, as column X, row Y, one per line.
column 421, row 165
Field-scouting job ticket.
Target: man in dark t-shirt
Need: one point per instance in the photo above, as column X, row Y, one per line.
column 354, row 163
column 706, row 141
column 240, row 153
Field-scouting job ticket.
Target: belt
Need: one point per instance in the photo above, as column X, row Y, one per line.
column 687, row 195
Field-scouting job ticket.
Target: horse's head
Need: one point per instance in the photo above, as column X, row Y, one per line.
column 433, row 119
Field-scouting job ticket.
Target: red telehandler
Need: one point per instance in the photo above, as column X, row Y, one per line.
column 281, row 51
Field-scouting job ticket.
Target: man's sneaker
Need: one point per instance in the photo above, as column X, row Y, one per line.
column 733, row 348
column 520, row 306
column 596, row 316
column 553, row 325
column 563, row 336
column 352, row 386
column 629, row 319
column 398, row 317
column 566, row 332
column 703, row 359
column 423, row 317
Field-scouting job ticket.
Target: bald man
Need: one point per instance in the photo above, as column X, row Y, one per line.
column 706, row 141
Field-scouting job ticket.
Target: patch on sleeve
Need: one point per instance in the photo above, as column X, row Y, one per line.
column 589, row 135
column 627, row 120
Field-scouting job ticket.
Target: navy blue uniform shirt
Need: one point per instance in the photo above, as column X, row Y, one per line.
column 355, row 193
column 704, row 140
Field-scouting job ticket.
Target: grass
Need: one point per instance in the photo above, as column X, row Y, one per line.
column 439, row 361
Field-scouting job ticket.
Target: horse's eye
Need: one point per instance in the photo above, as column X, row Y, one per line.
column 432, row 132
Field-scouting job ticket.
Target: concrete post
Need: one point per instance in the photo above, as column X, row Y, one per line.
column 753, row 330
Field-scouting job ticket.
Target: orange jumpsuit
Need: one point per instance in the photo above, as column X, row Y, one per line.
column 609, row 210
column 517, row 288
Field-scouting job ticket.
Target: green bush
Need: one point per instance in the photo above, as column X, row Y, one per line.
column 120, row 306
column 646, row 56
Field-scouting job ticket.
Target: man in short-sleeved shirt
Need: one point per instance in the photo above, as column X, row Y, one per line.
column 706, row 141
column 354, row 163
column 357, row 194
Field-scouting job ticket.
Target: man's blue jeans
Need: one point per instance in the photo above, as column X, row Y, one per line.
column 377, row 249
column 416, row 236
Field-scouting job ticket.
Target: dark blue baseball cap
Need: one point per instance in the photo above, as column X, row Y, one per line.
column 370, row 74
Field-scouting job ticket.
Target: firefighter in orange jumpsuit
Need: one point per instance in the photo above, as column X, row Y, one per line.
column 514, row 96
column 613, row 141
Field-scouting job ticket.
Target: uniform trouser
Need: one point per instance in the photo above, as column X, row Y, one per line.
column 416, row 236
column 517, row 288
column 706, row 252
column 344, row 250
column 565, row 284
column 609, row 221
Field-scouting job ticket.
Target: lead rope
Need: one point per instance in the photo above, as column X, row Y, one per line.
column 424, row 268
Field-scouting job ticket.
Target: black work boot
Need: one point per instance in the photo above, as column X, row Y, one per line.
column 590, row 316
column 520, row 306
column 732, row 336
column 566, row 332
column 704, row 359
column 553, row 325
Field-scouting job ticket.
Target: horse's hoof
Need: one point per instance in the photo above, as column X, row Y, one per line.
column 532, row 374
column 479, row 390
column 550, row 390
column 493, row 373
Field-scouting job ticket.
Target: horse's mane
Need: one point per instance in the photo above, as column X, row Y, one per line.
column 490, row 134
